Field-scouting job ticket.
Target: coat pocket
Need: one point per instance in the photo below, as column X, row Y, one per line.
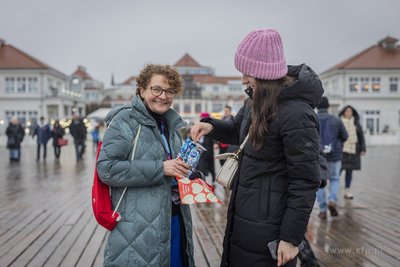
column 265, row 198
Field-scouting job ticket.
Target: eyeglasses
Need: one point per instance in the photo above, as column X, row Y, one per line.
column 157, row 91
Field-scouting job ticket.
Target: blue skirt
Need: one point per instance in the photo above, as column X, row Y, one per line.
column 176, row 246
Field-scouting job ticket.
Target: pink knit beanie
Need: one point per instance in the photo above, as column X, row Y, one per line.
column 260, row 55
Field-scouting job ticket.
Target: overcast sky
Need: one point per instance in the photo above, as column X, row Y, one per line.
column 121, row 36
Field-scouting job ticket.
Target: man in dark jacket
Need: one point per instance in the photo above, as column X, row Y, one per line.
column 15, row 134
column 43, row 133
column 78, row 130
column 333, row 158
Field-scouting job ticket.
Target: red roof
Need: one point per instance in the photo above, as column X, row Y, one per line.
column 130, row 80
column 187, row 61
column 81, row 73
column 207, row 78
column 375, row 57
column 13, row 58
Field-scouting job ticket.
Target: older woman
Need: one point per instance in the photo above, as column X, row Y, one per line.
column 153, row 230
column 279, row 172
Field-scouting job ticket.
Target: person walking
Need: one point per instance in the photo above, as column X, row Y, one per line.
column 278, row 170
column 206, row 161
column 15, row 134
column 154, row 230
column 353, row 147
column 333, row 134
column 58, row 132
column 95, row 137
column 78, row 131
column 42, row 130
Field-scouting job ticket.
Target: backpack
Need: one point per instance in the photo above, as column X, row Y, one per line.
column 327, row 134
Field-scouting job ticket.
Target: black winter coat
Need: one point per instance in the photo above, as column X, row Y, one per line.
column 340, row 133
column 353, row 161
column 58, row 132
column 78, row 130
column 15, row 132
column 275, row 187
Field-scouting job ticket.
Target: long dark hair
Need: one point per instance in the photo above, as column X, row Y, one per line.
column 265, row 108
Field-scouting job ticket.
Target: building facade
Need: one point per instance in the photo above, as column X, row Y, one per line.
column 369, row 81
column 30, row 89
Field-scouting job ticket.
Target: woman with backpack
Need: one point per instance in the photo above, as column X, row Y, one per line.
column 154, row 230
column 279, row 172
column 353, row 147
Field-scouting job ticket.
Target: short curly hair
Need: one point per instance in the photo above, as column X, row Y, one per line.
column 172, row 75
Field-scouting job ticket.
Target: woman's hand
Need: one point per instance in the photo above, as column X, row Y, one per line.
column 362, row 153
column 286, row 252
column 199, row 129
column 175, row 168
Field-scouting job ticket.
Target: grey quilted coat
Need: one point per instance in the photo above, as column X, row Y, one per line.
column 142, row 236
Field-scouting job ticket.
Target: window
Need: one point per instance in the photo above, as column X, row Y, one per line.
column 32, row 85
column 394, row 84
column 21, row 85
column 9, row 85
column 215, row 88
column 176, row 107
column 197, row 108
column 364, row 84
column 87, row 96
column 203, row 88
column 216, row 107
column 187, row 108
column 353, row 84
column 335, row 86
column 376, row 84
column 371, row 121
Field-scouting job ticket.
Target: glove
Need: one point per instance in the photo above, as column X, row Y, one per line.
column 196, row 175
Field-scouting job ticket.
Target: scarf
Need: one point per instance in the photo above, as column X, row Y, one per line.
column 350, row 145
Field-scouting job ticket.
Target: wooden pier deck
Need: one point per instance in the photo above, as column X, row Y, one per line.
column 46, row 217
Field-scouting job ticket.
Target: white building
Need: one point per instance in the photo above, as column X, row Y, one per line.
column 30, row 89
column 204, row 92
column 91, row 88
column 369, row 81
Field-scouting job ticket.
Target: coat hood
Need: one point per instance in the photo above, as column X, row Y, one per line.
column 355, row 113
column 307, row 86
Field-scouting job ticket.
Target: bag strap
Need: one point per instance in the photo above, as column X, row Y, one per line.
column 133, row 155
column 242, row 146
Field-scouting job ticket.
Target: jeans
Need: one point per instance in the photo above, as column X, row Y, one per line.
column 44, row 151
column 79, row 143
column 334, row 183
column 57, row 151
column 349, row 176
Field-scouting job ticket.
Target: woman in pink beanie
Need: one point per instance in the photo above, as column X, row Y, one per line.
column 279, row 172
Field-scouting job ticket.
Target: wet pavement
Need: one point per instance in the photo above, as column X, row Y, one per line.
column 46, row 217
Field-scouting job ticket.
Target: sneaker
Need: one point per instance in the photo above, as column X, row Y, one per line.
column 322, row 215
column 348, row 194
column 332, row 208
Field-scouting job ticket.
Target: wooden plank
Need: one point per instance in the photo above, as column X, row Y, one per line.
column 100, row 255
column 78, row 247
column 93, row 247
column 64, row 247
column 199, row 257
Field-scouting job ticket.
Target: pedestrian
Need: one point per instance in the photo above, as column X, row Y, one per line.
column 333, row 134
column 206, row 161
column 78, row 131
column 58, row 132
column 153, row 230
column 223, row 148
column 15, row 134
column 42, row 130
column 353, row 147
column 279, row 172
column 95, row 137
